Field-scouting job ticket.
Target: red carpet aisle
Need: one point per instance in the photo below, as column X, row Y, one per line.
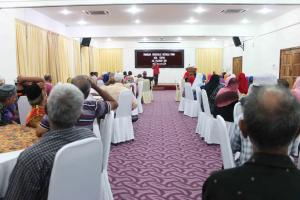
column 167, row 160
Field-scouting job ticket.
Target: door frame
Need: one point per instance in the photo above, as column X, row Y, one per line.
column 233, row 62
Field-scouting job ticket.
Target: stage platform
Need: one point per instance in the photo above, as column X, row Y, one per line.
column 165, row 86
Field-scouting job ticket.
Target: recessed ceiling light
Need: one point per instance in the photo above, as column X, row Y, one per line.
column 213, row 39
column 108, row 40
column 265, row 11
column 65, row 12
column 199, row 10
column 179, row 38
column 82, row 22
column 145, row 39
column 134, row 10
column 245, row 21
column 137, row 21
column 191, row 20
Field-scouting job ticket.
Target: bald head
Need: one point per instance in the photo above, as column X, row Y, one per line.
column 272, row 117
column 82, row 82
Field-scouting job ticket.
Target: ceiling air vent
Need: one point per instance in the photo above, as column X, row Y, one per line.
column 96, row 12
column 233, row 11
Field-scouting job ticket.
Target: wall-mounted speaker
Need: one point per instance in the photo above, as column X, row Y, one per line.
column 86, row 42
column 237, row 41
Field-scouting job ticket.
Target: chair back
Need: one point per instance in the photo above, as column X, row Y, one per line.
column 96, row 128
column 140, row 89
column 205, row 102
column 188, row 91
column 125, row 104
column 106, row 127
column 199, row 98
column 146, row 85
column 76, row 171
column 24, row 108
column 226, row 152
column 237, row 111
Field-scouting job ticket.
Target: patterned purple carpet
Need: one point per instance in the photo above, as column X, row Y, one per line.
column 167, row 160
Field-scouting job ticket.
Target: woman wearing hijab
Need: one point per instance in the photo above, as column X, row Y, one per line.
column 296, row 89
column 226, row 99
column 243, row 83
column 212, row 88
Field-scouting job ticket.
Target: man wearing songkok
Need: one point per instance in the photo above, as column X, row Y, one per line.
column 7, row 101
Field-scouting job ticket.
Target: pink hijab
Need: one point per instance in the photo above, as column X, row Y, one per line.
column 229, row 93
column 296, row 89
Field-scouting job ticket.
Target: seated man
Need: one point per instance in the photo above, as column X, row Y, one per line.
column 271, row 121
column 91, row 107
column 31, row 175
column 8, row 98
column 115, row 89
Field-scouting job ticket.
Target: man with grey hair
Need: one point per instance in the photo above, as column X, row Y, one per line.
column 271, row 121
column 31, row 175
column 117, row 87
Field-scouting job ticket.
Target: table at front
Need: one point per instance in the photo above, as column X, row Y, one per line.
column 13, row 139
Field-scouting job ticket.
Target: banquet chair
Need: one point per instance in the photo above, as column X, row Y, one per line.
column 76, row 171
column 139, row 97
column 96, row 128
column 181, row 103
column 122, row 123
column 191, row 106
column 146, row 92
column 24, row 108
column 178, row 95
column 237, row 112
column 226, row 152
column 106, row 126
column 201, row 114
column 207, row 126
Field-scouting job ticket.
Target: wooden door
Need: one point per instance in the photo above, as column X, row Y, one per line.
column 237, row 65
column 290, row 64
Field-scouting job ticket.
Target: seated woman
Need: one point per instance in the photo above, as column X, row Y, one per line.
column 226, row 99
column 212, row 88
column 243, row 84
column 37, row 99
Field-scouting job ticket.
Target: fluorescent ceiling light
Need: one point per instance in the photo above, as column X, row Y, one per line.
column 245, row 21
column 65, row 12
column 191, row 20
column 265, row 11
column 199, row 10
column 134, row 10
column 82, row 22
column 137, row 21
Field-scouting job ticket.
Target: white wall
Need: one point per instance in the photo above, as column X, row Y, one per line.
column 167, row 75
column 8, row 60
column 262, row 53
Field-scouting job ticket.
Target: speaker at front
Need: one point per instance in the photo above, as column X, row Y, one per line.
column 86, row 42
column 236, row 41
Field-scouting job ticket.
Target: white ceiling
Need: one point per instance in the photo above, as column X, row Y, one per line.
column 166, row 14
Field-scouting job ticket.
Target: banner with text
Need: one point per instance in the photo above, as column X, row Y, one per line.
column 166, row 58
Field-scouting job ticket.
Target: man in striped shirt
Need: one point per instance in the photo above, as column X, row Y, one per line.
column 91, row 109
column 31, row 175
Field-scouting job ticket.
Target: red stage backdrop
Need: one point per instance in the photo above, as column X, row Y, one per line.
column 166, row 58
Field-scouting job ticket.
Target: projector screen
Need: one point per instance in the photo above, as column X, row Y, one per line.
column 166, row 58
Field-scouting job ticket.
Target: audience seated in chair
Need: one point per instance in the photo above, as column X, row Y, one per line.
column 212, row 88
column 116, row 88
column 48, row 83
column 226, row 98
column 91, row 109
column 30, row 177
column 271, row 121
column 8, row 97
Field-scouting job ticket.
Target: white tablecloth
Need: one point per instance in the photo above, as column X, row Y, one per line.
column 7, row 163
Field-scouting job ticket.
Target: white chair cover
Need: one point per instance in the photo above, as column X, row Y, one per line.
column 139, row 98
column 106, row 127
column 237, row 111
column 201, row 113
column 122, row 126
column 207, row 122
column 181, row 104
column 7, row 164
column 191, row 106
column 226, row 152
column 76, row 171
column 96, row 129
column 24, row 108
column 147, row 98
